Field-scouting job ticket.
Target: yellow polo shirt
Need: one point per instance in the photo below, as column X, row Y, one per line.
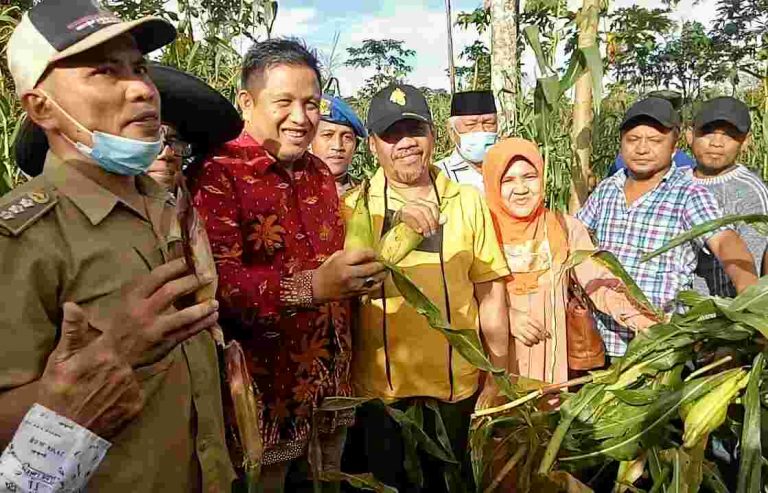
column 399, row 355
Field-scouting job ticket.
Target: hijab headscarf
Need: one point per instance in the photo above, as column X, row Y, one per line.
column 514, row 231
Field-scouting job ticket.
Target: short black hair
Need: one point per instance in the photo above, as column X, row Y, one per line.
column 278, row 51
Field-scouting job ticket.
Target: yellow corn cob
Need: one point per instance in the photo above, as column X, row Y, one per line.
column 709, row 412
column 359, row 231
column 398, row 242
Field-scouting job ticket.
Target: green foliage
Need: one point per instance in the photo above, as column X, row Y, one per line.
column 477, row 75
column 388, row 57
column 10, row 109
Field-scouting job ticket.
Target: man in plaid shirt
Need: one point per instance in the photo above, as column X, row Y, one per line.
column 638, row 210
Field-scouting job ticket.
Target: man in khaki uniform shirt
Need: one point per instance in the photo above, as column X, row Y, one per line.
column 89, row 226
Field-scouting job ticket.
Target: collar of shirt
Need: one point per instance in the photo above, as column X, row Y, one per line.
column 95, row 201
column 446, row 188
column 455, row 162
column 249, row 150
column 620, row 179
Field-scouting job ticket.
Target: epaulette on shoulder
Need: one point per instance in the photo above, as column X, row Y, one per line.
column 22, row 207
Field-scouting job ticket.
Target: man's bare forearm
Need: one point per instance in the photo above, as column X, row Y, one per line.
column 492, row 298
column 14, row 404
column 734, row 255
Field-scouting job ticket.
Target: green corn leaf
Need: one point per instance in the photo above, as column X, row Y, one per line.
column 712, row 478
column 342, row 403
column 610, row 262
column 753, row 299
column 704, row 228
column 750, row 466
column 365, row 481
column 575, row 68
column 412, row 463
column 419, row 435
column 440, row 432
column 533, row 37
column 466, row 342
column 479, row 439
column 659, row 414
column 550, row 87
column 416, row 413
column 594, row 63
column 658, row 472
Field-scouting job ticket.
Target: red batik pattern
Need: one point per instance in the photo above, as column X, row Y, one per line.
column 264, row 225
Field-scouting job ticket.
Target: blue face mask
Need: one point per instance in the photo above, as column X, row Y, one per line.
column 115, row 154
column 119, row 155
column 474, row 146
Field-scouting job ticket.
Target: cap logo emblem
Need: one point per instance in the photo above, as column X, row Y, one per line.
column 325, row 107
column 398, row 97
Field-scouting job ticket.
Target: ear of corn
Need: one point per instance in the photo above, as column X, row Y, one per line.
column 359, row 230
column 709, row 412
column 247, row 413
column 398, row 243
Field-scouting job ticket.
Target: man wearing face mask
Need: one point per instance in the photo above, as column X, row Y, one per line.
column 92, row 229
column 472, row 127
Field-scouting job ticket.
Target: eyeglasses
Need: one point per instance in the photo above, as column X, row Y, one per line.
column 178, row 146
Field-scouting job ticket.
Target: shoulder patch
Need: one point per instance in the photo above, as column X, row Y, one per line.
column 22, row 210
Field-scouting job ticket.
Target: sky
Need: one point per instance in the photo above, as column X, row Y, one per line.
column 421, row 24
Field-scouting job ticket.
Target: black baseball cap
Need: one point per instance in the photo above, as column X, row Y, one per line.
column 724, row 109
column 53, row 30
column 653, row 108
column 394, row 103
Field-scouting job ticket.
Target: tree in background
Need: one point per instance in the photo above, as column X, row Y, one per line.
column 476, row 76
column 634, row 35
column 388, row 58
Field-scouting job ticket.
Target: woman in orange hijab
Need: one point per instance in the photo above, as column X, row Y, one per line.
column 536, row 242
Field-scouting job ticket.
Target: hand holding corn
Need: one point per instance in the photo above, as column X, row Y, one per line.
column 422, row 216
column 347, row 274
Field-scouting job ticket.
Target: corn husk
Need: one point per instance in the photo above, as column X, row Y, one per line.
column 247, row 413
column 398, row 243
column 359, row 234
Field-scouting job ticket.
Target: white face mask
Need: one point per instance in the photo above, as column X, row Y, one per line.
column 473, row 146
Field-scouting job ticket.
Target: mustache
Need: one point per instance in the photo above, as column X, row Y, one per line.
column 407, row 153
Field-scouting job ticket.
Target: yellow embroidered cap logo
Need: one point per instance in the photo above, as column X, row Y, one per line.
column 398, row 97
column 325, row 107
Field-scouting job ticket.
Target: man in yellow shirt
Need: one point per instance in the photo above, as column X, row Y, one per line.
column 397, row 356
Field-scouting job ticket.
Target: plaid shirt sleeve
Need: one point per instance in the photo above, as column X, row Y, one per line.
column 701, row 207
column 588, row 214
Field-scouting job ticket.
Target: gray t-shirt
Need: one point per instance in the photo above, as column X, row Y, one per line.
column 739, row 191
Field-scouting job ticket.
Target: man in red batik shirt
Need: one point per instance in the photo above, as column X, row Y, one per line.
column 272, row 216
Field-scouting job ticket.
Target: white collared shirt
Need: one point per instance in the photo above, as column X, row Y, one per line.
column 461, row 171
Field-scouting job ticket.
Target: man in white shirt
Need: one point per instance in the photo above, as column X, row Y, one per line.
column 473, row 129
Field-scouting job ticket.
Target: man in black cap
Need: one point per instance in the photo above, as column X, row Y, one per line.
column 92, row 229
column 680, row 158
column 640, row 210
column 472, row 127
column 459, row 264
column 720, row 131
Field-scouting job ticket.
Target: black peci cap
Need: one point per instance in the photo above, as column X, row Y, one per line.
column 472, row 103
column 394, row 103
column 724, row 109
column 653, row 108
